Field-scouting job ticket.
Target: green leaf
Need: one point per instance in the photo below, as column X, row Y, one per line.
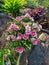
column 3, row 61
column 9, row 61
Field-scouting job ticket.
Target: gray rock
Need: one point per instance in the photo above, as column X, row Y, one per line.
column 4, row 21
column 36, row 57
column 40, row 54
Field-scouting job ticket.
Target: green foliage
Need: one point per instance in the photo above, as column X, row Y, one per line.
column 5, row 51
column 1, row 7
column 2, row 59
column 36, row 3
column 13, row 6
column 45, row 3
column 33, row 3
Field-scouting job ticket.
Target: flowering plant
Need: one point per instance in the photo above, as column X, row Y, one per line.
column 25, row 18
column 23, row 35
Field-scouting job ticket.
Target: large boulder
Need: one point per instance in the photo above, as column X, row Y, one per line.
column 4, row 20
column 40, row 54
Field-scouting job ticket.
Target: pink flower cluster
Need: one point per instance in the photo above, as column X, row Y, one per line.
column 11, row 37
column 20, row 35
column 27, row 15
column 29, row 33
column 13, row 27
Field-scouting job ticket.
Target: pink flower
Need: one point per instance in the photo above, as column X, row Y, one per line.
column 28, row 30
column 18, row 18
column 25, row 36
column 10, row 30
column 33, row 34
column 8, row 38
column 26, row 15
column 12, row 37
column 16, row 27
column 34, row 41
column 5, row 56
column 19, row 36
column 20, row 49
column 7, row 62
column 11, row 26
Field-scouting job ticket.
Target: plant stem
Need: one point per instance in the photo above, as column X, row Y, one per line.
column 26, row 45
column 18, row 59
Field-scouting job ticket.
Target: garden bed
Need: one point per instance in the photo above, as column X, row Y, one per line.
column 36, row 54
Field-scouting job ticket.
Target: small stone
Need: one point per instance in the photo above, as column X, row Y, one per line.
column 43, row 37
